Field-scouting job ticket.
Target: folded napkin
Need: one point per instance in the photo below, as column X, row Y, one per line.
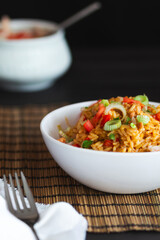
column 59, row 221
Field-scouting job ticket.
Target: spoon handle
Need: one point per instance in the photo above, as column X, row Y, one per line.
column 80, row 15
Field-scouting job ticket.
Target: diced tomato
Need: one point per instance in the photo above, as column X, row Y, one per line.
column 128, row 100
column 131, row 101
column 76, row 145
column 88, row 125
column 117, row 139
column 94, row 121
column 100, row 111
column 98, row 115
column 156, row 116
column 105, row 119
column 108, row 143
column 87, row 138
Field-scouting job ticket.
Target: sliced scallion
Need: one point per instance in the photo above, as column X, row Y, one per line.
column 115, row 102
column 63, row 134
column 105, row 102
column 117, row 106
column 132, row 125
column 143, row 118
column 152, row 106
column 112, row 125
column 142, row 98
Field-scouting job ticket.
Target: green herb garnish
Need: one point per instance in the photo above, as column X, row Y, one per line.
column 127, row 120
column 112, row 137
column 116, row 118
column 87, row 143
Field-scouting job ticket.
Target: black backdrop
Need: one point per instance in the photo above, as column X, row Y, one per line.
column 119, row 23
column 117, row 47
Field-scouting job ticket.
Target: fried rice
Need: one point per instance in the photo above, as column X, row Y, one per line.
column 121, row 124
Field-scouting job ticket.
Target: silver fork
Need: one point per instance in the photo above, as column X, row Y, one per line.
column 29, row 215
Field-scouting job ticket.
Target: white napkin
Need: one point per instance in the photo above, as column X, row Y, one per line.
column 59, row 221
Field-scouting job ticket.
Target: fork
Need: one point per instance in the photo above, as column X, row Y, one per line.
column 29, row 215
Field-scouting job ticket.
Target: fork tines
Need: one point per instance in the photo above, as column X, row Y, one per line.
column 30, row 211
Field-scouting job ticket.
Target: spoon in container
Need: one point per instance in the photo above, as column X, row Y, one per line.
column 5, row 29
column 79, row 15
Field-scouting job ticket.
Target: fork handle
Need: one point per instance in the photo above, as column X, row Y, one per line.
column 33, row 230
column 35, row 234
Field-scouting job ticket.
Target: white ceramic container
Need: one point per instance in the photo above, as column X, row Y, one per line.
column 106, row 171
column 33, row 64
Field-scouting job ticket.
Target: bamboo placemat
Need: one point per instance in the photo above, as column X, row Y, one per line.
column 22, row 148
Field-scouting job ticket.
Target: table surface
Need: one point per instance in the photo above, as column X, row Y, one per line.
column 101, row 73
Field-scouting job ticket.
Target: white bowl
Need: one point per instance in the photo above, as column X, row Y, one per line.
column 33, row 64
column 106, row 171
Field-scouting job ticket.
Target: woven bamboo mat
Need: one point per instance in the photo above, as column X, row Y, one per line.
column 22, row 148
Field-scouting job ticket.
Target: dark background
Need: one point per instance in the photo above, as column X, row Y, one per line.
column 116, row 51
column 119, row 23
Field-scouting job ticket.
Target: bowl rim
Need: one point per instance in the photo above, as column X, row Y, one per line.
column 31, row 40
column 91, row 151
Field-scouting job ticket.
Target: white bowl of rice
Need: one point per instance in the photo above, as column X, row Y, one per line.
column 115, row 172
column 32, row 64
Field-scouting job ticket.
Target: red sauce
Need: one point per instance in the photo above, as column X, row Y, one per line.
column 34, row 32
column 20, row 35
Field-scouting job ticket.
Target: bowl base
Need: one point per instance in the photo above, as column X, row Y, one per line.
column 26, row 86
